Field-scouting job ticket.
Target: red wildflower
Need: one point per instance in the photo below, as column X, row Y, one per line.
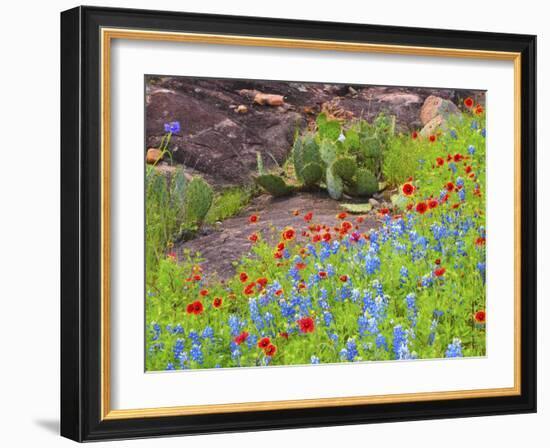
column 479, row 109
column 432, row 138
column 344, row 278
column 316, row 238
column 440, row 161
column 360, row 220
column 263, row 343
column 468, row 169
column 283, row 334
column 480, row 241
column 252, row 219
column 172, row 256
column 410, row 206
column 253, row 238
column 288, row 234
column 414, row 135
column 250, row 288
column 279, row 292
column 243, row 277
column 217, row 302
column 203, row 292
column 421, row 207
column 450, row 186
column 407, row 189
column 241, row 338
column 384, row 211
column 306, row 324
column 458, row 157
column 326, row 237
column 439, row 272
column 322, row 274
column 469, row 102
column 270, row 350
column 438, row 261
column 197, row 278
column 277, row 255
column 342, row 215
column 280, row 246
column 346, row 225
column 195, row 308
column 262, row 281
column 308, row 216
column 300, row 265
column 480, row 316
column 432, row 203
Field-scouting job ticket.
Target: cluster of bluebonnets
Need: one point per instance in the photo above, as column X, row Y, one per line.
column 411, row 288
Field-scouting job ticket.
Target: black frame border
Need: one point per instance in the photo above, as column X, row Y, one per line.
column 81, row 223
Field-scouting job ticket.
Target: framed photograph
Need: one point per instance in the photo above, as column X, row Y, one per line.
column 276, row 224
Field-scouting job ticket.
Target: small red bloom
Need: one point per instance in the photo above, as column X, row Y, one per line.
column 480, row 241
column 410, row 206
column 438, row 261
column 241, row 338
column 308, row 216
column 279, row 292
column 440, row 161
column 262, row 281
column 243, row 277
column 300, row 265
column 277, row 255
column 289, row 233
column 263, row 343
column 468, row 169
column 283, row 334
column 195, row 308
column 432, row 203
column 316, row 238
column 203, row 292
column 172, row 256
column 197, row 278
column 479, row 109
column 253, row 219
column 480, row 316
column 322, row 274
column 217, row 302
column 253, row 238
column 458, row 157
column 360, row 220
column 469, row 102
column 450, row 186
column 384, row 211
column 190, row 308
column 432, row 138
column 342, row 215
column 326, row 237
column 270, row 350
column 344, row 278
column 250, row 288
column 439, row 272
column 407, row 189
column 421, row 207
column 280, row 246
column 306, row 324
column 346, row 225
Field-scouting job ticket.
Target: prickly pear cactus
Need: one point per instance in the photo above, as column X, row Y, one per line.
column 274, row 185
column 335, row 185
column 365, row 183
column 327, row 151
column 305, row 151
column 344, row 167
column 312, row 173
column 198, row 199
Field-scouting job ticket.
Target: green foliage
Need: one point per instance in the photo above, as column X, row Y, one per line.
column 198, row 199
column 228, row 202
column 274, row 185
column 335, row 185
column 345, row 167
column 260, row 163
column 304, row 152
column 328, row 151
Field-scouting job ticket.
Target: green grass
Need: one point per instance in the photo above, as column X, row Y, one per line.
column 229, row 202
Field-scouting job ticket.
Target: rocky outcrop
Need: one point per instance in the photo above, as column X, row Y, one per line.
column 225, row 123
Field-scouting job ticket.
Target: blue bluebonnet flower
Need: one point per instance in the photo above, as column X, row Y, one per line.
column 170, row 366
column 351, row 350
column 196, row 354
column 481, row 267
column 471, row 150
column 452, row 166
column 172, row 127
column 483, row 132
column 158, row 347
column 315, row 359
column 381, row 342
column 328, row 318
column 208, row 333
column 401, row 343
column 194, row 336
column 178, row 329
column 235, row 325
column 156, row 332
column 453, row 135
column 474, row 125
column 252, row 340
column 412, row 311
column 454, row 349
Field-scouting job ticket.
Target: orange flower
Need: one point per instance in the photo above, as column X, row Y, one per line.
column 480, row 317
column 432, row 138
column 270, row 350
column 344, row 278
column 217, row 302
column 203, row 292
column 308, row 216
column 243, row 277
column 300, row 265
column 296, row 212
column 253, row 219
column 479, row 109
column 408, row 189
column 253, row 238
column 342, row 215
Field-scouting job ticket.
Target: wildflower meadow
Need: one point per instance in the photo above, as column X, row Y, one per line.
column 400, row 281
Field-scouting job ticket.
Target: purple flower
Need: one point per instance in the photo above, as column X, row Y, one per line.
column 173, row 127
